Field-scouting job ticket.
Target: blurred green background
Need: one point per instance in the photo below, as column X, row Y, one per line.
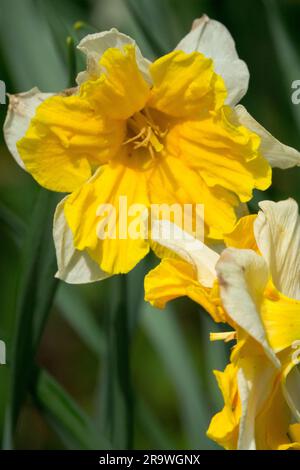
column 88, row 367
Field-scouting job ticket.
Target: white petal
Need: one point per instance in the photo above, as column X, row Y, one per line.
column 246, row 439
column 277, row 233
column 255, row 384
column 20, row 111
column 188, row 248
column 94, row 46
column 215, row 41
column 278, row 155
column 74, row 266
column 243, row 276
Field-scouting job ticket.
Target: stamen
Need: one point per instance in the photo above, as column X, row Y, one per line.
column 145, row 142
column 136, row 137
column 223, row 336
column 146, row 133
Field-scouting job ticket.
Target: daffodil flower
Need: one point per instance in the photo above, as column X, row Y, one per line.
column 163, row 132
column 188, row 266
column 254, row 285
column 261, row 295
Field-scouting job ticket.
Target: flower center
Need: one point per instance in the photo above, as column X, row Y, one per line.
column 142, row 131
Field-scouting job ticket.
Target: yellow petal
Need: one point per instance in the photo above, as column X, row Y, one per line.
column 74, row 266
column 171, row 181
column 256, row 375
column 294, row 432
column 185, row 85
column 64, row 139
column 225, row 154
column 121, row 90
column 224, row 426
column 242, row 235
column 281, row 319
column 94, row 45
column 115, row 250
column 272, row 424
column 174, row 278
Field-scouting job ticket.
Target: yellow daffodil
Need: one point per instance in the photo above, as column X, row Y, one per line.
column 256, row 412
column 161, row 132
column 255, row 287
column 188, row 266
column 261, row 295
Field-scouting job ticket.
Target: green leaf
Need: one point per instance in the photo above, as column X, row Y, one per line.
column 166, row 337
column 15, row 225
column 72, row 425
column 39, row 59
column 286, row 53
column 117, row 404
column 34, row 299
column 216, row 355
column 140, row 12
column 152, row 427
column 9, row 269
column 135, row 293
column 71, row 61
column 78, row 314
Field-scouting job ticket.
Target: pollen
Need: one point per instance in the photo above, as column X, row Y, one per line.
column 142, row 131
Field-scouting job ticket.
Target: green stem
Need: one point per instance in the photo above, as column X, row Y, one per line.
column 71, row 60
column 117, row 403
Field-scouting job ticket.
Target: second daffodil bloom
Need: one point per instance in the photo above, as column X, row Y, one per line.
column 261, row 295
column 255, row 287
column 162, row 132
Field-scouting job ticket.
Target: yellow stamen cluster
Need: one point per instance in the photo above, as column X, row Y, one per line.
column 142, row 131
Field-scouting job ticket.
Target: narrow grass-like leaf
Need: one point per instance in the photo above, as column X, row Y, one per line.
column 71, row 61
column 9, row 267
column 35, row 295
column 286, row 53
column 140, row 12
column 80, row 317
column 39, row 58
column 152, row 427
column 72, row 425
column 135, row 293
column 168, row 341
column 216, row 356
column 15, row 225
column 117, row 405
